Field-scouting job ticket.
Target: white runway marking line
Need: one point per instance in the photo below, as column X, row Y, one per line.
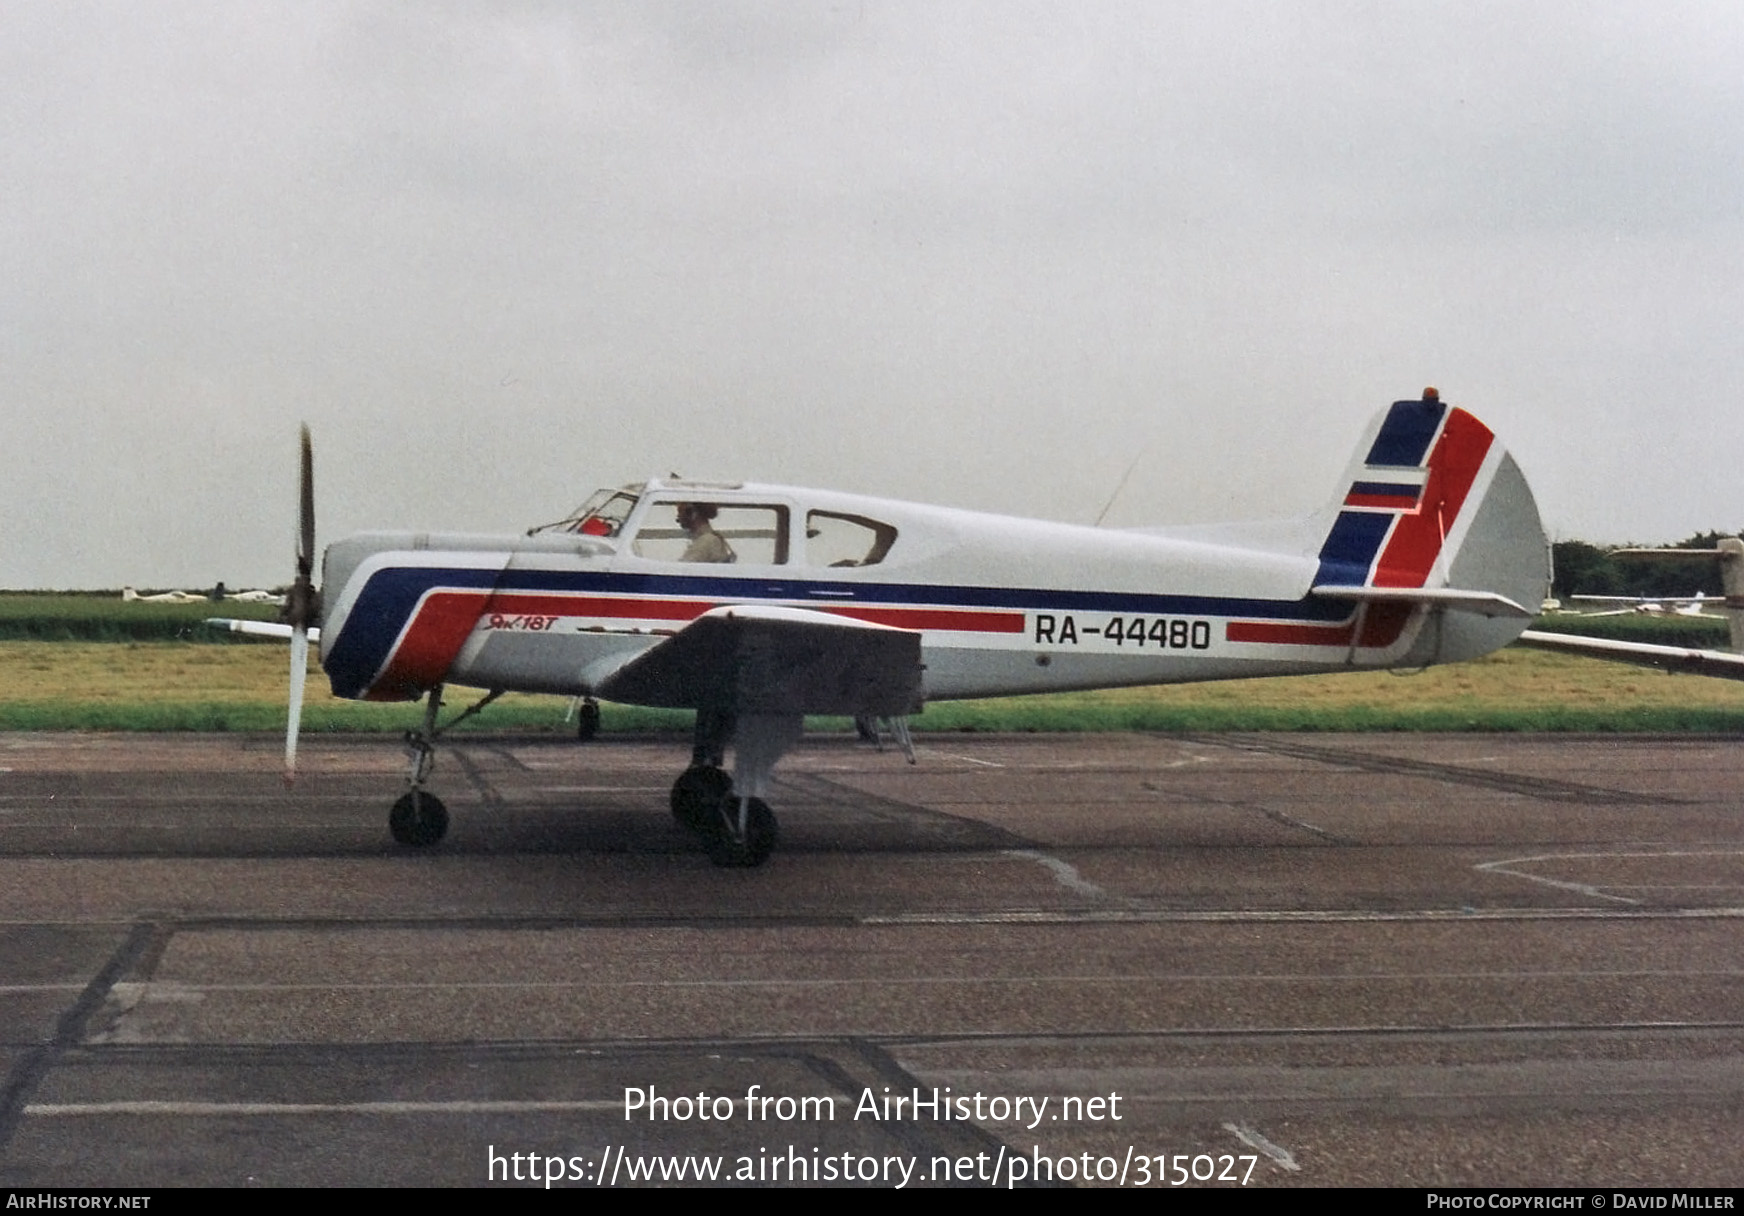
column 1254, row 1140
column 1112, row 916
column 1589, row 890
column 63, row 1110
column 192, row 995
column 1064, row 873
column 929, row 752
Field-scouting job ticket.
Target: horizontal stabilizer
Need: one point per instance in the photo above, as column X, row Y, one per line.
column 1483, row 603
column 1673, row 658
column 776, row 660
column 261, row 629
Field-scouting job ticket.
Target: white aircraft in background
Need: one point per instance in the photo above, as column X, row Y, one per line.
column 130, row 596
column 1691, row 605
column 755, row 605
column 1728, row 664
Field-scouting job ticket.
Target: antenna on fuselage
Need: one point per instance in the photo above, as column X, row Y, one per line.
column 1124, row 478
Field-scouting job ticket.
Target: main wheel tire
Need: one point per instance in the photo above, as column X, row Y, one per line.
column 587, row 721
column 696, row 794
column 724, row 845
column 418, row 819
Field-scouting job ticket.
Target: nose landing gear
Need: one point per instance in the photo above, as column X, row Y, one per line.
column 418, row 817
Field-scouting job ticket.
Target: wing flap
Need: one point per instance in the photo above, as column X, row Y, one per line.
column 776, row 660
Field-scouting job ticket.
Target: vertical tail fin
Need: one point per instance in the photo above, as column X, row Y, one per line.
column 1435, row 514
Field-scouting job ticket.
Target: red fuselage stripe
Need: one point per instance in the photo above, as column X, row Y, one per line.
column 439, row 628
column 1288, row 635
column 445, row 619
column 635, row 609
column 1381, row 627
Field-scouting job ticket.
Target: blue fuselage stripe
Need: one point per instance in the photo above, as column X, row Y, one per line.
column 387, row 601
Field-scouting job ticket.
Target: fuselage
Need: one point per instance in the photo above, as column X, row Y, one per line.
column 1003, row 605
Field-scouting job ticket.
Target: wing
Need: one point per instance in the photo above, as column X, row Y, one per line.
column 1720, row 663
column 776, row 660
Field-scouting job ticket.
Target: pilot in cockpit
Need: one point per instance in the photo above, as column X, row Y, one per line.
column 706, row 545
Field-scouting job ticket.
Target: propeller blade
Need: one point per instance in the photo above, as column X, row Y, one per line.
column 303, row 604
column 306, row 509
column 299, row 673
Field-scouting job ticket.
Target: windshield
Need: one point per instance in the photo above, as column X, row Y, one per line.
column 602, row 515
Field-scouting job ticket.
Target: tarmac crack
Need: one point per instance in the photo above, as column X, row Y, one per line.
column 487, row 792
column 34, row 1065
column 950, row 831
column 1548, row 788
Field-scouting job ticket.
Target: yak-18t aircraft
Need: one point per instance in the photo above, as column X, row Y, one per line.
column 754, row 605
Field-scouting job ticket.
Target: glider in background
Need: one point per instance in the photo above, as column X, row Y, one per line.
column 1727, row 664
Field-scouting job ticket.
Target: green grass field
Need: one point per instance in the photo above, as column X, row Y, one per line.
column 94, row 662
column 103, row 616
column 190, row 686
column 1698, row 632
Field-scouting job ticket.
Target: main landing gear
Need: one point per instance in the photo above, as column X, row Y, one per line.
column 418, row 817
column 728, row 814
column 586, row 712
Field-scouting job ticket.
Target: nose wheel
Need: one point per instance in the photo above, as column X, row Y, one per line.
column 418, row 819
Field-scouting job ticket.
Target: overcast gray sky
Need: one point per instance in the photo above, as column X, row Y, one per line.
column 499, row 253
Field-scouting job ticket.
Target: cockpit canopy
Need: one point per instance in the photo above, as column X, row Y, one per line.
column 745, row 525
column 603, row 514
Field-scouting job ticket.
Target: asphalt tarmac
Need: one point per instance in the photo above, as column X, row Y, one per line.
column 1216, row 960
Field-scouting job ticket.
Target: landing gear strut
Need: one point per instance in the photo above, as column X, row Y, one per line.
column 418, row 817
column 736, row 826
column 587, row 718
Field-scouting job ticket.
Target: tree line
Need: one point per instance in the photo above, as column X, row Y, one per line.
column 1583, row 569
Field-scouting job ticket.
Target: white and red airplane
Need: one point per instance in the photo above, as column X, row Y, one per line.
column 757, row 604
